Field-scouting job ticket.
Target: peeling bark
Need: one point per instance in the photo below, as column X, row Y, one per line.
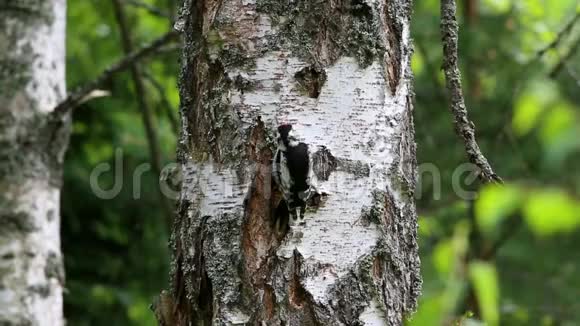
column 339, row 72
column 32, row 145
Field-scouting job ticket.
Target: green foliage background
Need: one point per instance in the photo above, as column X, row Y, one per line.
column 116, row 250
column 528, row 126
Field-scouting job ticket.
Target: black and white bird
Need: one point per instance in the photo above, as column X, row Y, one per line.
column 291, row 171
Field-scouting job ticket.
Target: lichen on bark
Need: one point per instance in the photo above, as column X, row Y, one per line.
column 35, row 12
column 325, row 30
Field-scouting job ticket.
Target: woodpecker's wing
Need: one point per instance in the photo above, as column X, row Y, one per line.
column 276, row 167
column 298, row 166
column 281, row 174
column 310, row 177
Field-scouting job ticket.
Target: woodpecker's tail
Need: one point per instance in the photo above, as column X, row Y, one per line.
column 281, row 218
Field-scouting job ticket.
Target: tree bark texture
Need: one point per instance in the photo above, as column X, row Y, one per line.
column 32, row 145
column 339, row 72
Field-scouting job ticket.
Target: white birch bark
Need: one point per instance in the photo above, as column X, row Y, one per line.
column 32, row 82
column 339, row 72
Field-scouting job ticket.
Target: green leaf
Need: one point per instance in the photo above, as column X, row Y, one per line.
column 534, row 8
column 417, row 63
column 559, row 120
column 551, row 211
column 139, row 313
column 566, row 144
column 448, row 252
column 103, row 294
column 428, row 226
column 533, row 102
column 484, row 279
column 498, row 6
column 548, row 320
column 429, row 313
column 527, row 112
column 559, row 133
column 496, row 202
column 443, row 257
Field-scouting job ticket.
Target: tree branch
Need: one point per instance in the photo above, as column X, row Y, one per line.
column 572, row 74
column 559, row 37
column 558, row 67
column 150, row 130
column 77, row 96
column 464, row 128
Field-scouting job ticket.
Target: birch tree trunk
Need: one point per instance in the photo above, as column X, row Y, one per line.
column 32, row 82
column 339, row 72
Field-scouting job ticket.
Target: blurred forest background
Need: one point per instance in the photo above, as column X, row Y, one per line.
column 521, row 68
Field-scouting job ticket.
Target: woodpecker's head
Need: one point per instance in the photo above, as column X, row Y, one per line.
column 286, row 135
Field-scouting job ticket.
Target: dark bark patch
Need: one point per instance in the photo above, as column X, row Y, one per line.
column 16, row 221
column 23, row 151
column 352, row 293
column 181, row 309
column 50, row 215
column 263, row 199
column 323, row 163
column 383, row 210
column 15, row 73
column 356, row 168
column 394, row 30
column 392, row 211
column 359, row 8
column 297, row 292
column 8, row 256
column 54, row 267
column 300, row 299
column 43, row 290
column 258, row 150
column 243, row 84
column 311, row 79
column 269, row 302
column 29, row 11
column 164, row 309
column 215, row 128
column 235, row 56
column 259, row 234
column 323, row 31
column 377, row 268
column 205, row 299
column 188, row 267
column 16, row 321
column 376, row 212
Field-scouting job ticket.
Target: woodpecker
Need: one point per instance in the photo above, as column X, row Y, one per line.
column 291, row 171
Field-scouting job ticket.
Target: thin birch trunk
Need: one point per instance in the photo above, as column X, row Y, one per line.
column 32, row 82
